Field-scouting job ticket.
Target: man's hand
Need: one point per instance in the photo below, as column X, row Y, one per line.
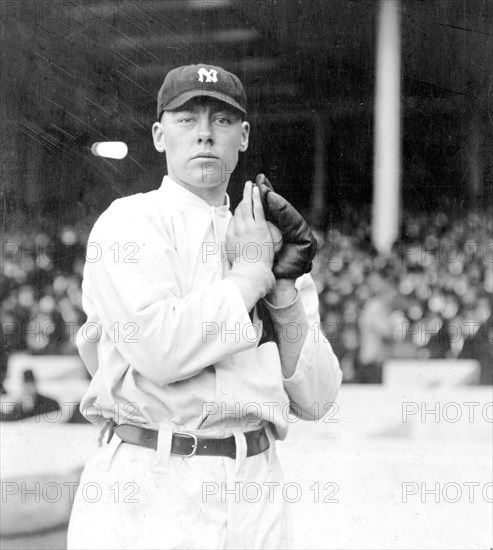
column 250, row 248
column 248, row 238
column 299, row 245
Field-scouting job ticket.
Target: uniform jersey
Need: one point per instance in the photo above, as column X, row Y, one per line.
column 175, row 340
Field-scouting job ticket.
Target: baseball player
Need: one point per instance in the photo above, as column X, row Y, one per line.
column 201, row 335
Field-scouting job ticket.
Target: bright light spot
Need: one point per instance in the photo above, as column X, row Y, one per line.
column 68, row 236
column 110, row 149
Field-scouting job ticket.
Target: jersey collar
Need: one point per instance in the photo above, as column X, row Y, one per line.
column 176, row 193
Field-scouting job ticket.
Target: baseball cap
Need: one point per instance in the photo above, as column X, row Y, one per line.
column 184, row 83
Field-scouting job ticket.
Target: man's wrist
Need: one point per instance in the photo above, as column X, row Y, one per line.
column 284, row 294
column 254, row 281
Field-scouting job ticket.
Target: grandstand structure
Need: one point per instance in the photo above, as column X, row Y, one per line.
column 74, row 75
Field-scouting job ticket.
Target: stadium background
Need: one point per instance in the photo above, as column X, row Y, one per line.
column 74, row 73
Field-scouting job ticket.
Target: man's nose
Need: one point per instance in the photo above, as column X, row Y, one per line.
column 205, row 131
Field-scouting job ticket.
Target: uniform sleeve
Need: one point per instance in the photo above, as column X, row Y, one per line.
column 313, row 387
column 132, row 285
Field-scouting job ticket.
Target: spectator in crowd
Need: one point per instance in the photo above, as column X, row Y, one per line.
column 375, row 325
column 28, row 403
column 479, row 345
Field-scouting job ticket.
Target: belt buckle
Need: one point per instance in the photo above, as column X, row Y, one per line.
column 195, row 443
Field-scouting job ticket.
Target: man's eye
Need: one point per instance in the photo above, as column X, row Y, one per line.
column 185, row 120
column 223, row 121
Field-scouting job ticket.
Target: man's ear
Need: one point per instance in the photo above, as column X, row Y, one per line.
column 158, row 137
column 245, row 132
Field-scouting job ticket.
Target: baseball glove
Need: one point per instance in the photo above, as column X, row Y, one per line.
column 299, row 245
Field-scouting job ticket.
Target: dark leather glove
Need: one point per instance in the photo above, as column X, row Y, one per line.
column 299, row 245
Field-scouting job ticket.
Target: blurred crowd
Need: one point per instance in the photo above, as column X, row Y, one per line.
column 430, row 298
column 40, row 291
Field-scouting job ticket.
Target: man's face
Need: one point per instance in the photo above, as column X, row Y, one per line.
column 202, row 140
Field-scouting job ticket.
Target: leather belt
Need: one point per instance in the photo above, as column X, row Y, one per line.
column 185, row 444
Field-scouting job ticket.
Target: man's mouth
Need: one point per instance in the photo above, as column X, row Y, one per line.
column 205, row 155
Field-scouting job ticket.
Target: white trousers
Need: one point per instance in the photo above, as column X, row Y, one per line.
column 131, row 497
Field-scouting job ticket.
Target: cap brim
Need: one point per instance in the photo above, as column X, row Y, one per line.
column 187, row 96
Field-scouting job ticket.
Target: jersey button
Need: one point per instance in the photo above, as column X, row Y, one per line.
column 225, row 390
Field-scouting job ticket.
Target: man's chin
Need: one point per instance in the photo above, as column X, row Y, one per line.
column 210, row 183
column 211, row 172
column 205, row 180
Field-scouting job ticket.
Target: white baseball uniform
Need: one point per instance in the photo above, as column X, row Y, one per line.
column 171, row 346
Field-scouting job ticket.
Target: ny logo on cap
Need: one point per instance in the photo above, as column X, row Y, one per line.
column 211, row 76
